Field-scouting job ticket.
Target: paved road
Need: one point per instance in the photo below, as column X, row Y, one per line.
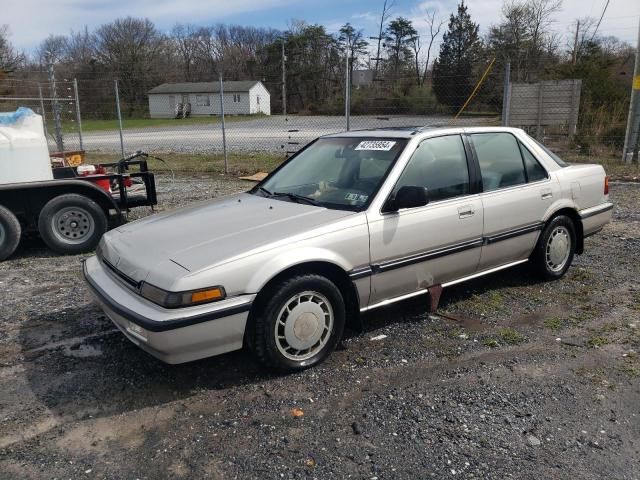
column 270, row 134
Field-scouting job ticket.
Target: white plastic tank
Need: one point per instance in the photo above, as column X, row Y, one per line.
column 24, row 155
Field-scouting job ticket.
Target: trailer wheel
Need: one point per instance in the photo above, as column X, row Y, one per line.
column 10, row 232
column 72, row 223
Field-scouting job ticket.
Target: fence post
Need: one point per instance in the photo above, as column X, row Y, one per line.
column 284, row 81
column 506, row 95
column 347, row 92
column 632, row 134
column 224, row 135
column 119, row 118
column 78, row 117
column 56, row 110
column 44, row 117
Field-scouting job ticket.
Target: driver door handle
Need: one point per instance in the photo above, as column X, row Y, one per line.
column 466, row 211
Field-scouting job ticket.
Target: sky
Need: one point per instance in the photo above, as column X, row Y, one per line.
column 31, row 20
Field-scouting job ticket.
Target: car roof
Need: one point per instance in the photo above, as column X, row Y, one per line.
column 413, row 131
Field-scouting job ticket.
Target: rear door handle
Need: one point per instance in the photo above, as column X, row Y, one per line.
column 546, row 193
column 465, row 211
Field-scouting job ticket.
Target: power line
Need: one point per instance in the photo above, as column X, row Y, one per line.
column 599, row 21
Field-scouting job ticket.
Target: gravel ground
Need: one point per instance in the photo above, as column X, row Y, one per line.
column 512, row 378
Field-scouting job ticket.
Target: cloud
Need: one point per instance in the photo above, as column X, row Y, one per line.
column 28, row 28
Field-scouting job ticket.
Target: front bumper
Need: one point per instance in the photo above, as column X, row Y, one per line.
column 172, row 335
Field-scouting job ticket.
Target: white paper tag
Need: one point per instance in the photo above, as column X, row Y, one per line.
column 382, row 145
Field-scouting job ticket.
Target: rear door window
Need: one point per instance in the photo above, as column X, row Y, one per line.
column 535, row 171
column 501, row 163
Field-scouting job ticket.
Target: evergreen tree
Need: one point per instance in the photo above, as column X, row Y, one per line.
column 453, row 69
column 398, row 38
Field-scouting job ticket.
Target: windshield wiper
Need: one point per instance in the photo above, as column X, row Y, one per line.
column 264, row 191
column 297, row 198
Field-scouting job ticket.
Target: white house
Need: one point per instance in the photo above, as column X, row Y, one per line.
column 240, row 98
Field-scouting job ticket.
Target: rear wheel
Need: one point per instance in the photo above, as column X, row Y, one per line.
column 555, row 249
column 10, row 232
column 72, row 223
column 301, row 323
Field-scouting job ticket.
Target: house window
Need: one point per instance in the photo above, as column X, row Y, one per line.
column 236, row 98
column 258, row 99
column 202, row 100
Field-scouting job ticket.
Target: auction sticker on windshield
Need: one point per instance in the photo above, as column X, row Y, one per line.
column 382, row 145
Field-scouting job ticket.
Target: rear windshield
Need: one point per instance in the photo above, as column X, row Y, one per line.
column 553, row 156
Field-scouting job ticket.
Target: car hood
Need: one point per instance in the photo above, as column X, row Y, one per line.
column 209, row 233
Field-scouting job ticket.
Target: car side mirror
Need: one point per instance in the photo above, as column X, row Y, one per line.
column 408, row 196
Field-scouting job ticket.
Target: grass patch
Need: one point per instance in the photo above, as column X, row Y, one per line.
column 630, row 370
column 581, row 275
column 511, row 336
column 488, row 303
column 491, row 343
column 554, row 323
column 239, row 163
column 90, row 125
column 597, row 341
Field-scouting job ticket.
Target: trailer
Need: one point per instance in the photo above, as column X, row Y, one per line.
column 70, row 208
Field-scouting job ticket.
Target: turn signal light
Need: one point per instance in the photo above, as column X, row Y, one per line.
column 606, row 185
column 207, row 295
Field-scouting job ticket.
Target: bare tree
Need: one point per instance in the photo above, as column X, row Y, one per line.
column 52, row 49
column 584, row 28
column 386, row 13
column 9, row 58
column 184, row 40
column 80, row 48
column 416, row 46
column 131, row 48
column 434, row 30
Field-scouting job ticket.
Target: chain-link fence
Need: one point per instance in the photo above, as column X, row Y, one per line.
column 193, row 124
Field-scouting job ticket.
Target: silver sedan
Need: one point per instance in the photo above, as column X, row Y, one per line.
column 352, row 222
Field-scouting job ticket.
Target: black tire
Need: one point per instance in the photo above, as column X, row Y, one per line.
column 263, row 342
column 10, row 232
column 541, row 258
column 71, row 224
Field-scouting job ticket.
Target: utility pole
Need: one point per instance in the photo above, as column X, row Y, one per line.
column 632, row 136
column 347, row 91
column 574, row 56
column 56, row 110
column 506, row 95
column 78, row 116
column 284, row 81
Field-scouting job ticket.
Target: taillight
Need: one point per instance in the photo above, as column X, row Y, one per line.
column 606, row 185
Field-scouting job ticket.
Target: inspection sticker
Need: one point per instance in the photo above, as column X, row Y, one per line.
column 356, row 197
column 383, row 145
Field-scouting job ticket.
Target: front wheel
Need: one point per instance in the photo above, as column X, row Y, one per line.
column 72, row 223
column 300, row 324
column 555, row 249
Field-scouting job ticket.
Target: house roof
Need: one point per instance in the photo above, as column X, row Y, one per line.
column 204, row 87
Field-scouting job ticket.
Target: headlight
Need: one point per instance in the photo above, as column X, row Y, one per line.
column 181, row 299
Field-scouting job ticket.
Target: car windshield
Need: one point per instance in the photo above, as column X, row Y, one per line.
column 341, row 173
